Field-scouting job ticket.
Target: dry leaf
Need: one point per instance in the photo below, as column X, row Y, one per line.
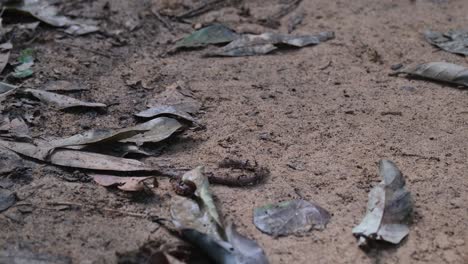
column 388, row 210
column 61, row 101
column 213, row 34
column 7, row 199
column 9, row 161
column 290, row 217
column 454, row 41
column 439, row 71
column 75, row 158
column 6, row 89
column 163, row 130
column 129, row 184
column 171, row 110
column 4, row 54
column 249, row 45
column 246, row 251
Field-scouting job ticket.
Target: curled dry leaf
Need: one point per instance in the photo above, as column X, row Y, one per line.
column 129, row 184
column 454, row 41
column 388, row 210
column 249, row 45
column 61, row 101
column 290, row 217
column 439, row 71
column 75, row 158
column 214, row 34
column 163, row 130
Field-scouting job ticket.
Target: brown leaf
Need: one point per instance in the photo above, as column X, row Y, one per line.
column 129, row 184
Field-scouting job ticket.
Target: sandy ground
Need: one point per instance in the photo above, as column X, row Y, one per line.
column 317, row 117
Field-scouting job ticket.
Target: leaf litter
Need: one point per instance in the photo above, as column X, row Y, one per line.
column 49, row 14
column 388, row 209
column 454, row 41
column 439, row 71
column 213, row 34
column 250, row 45
column 26, row 61
column 290, row 217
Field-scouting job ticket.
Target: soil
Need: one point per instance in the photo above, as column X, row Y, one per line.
column 319, row 118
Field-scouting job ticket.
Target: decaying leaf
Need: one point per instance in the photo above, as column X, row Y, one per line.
column 26, row 61
column 388, row 210
column 214, row 34
column 47, row 13
column 170, row 110
column 61, row 101
column 75, row 158
column 439, row 71
column 9, row 161
column 203, row 191
column 4, row 54
column 7, row 199
column 249, row 45
column 16, row 128
column 454, row 41
column 129, row 184
column 290, row 217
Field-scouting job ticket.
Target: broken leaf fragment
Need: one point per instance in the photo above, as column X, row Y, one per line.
column 290, row 217
column 439, row 71
column 170, row 110
column 6, row 89
column 214, row 34
column 388, row 209
column 4, row 54
column 61, row 101
column 250, row 45
column 129, row 184
column 454, row 41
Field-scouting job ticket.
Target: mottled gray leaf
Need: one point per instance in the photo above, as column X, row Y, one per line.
column 214, row 34
column 61, row 101
column 249, row 45
column 171, row 110
column 7, row 199
column 388, row 209
column 75, row 158
column 454, row 41
column 439, row 71
column 290, row 217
